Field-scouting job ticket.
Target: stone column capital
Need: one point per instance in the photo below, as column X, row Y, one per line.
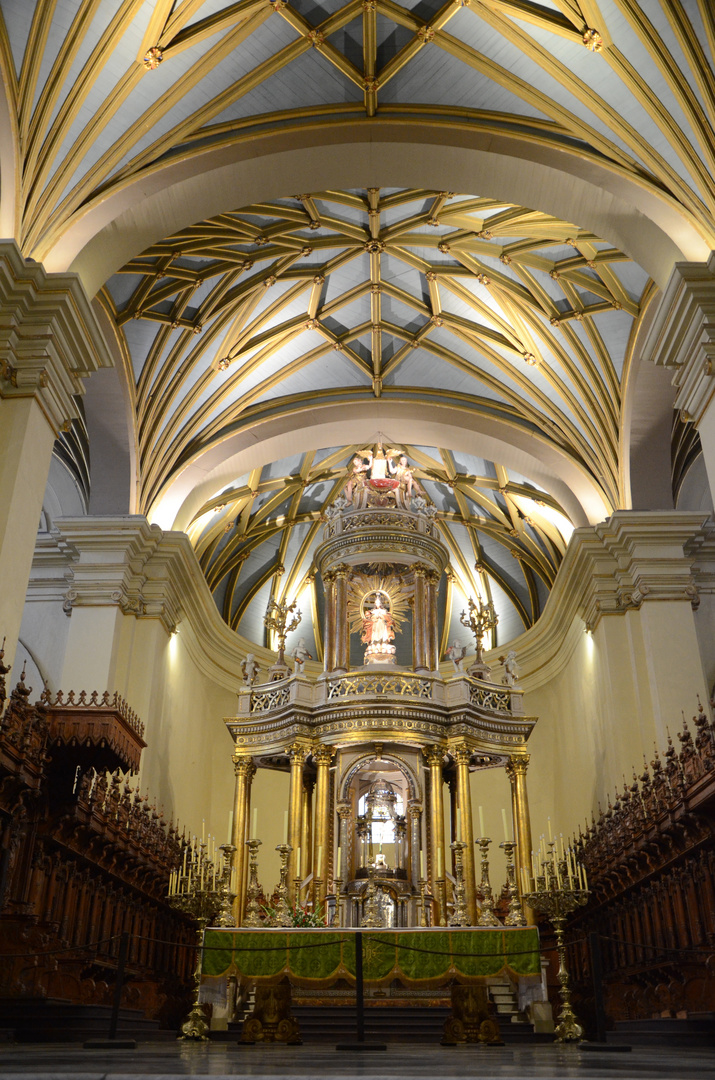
column 682, row 336
column 50, row 339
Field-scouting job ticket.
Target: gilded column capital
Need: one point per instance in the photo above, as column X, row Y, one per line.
column 420, row 569
column 297, row 753
column 308, row 783
column 342, row 571
column 414, row 810
column 433, row 755
column 461, row 754
column 518, row 765
column 243, row 766
column 323, row 755
column 344, row 810
column 329, row 577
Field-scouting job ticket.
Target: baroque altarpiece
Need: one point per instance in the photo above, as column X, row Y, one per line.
column 371, row 746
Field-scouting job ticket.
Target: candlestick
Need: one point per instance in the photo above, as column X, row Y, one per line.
column 283, row 915
column 460, row 914
column 253, row 910
column 487, row 916
column 515, row 916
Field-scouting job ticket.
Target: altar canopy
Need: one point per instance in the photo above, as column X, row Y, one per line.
column 426, row 958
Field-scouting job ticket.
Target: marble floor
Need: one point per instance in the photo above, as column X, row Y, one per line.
column 161, row 1060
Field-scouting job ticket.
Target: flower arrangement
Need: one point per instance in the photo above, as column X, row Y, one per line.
column 300, row 915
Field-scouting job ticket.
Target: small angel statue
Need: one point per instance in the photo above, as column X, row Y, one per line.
column 249, row 670
column 511, row 670
column 300, row 654
column 456, row 654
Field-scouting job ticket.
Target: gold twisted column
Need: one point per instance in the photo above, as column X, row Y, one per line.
column 434, row 757
column 298, row 755
column 464, row 802
column 516, row 771
column 419, row 628
column 322, row 755
column 342, row 629
column 329, row 643
column 244, row 771
column 306, row 841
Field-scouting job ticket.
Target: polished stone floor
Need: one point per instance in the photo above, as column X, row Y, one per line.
column 323, row 1063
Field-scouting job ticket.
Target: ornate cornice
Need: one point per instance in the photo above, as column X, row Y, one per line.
column 50, row 340
column 682, row 336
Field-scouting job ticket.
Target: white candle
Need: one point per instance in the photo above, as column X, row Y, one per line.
column 285, row 826
column 297, row 862
column 459, row 824
column 548, row 820
column 254, row 827
column 439, row 862
column 230, row 827
column 422, row 865
column 203, row 831
column 339, row 861
column 503, row 821
column 481, row 822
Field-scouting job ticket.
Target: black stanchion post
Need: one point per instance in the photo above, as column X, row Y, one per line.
column 359, row 990
column 594, row 944
column 112, row 1042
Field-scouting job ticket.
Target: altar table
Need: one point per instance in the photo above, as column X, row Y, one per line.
column 429, row 958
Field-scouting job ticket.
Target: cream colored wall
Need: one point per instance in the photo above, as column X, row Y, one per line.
column 269, row 795
column 612, row 703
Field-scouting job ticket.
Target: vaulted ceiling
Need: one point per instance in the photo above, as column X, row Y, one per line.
column 493, row 311
column 626, row 82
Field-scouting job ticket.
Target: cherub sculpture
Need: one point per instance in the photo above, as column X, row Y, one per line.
column 456, row 654
column 300, row 654
column 511, row 670
column 249, row 670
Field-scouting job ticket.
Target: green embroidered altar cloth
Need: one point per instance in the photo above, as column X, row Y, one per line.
column 429, row 957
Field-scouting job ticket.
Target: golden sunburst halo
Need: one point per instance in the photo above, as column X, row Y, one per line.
column 363, row 585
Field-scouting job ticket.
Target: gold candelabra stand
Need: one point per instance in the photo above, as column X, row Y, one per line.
column 253, row 908
column 205, row 892
column 282, row 910
column 486, row 915
column 515, row 915
column 422, row 884
column 480, row 619
column 557, row 890
column 460, row 913
column 282, row 619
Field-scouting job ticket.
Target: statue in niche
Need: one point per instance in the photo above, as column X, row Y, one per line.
column 378, row 624
column 456, row 654
column 300, row 654
column 249, row 670
column 378, row 631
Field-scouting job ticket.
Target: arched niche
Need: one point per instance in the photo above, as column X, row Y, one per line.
column 356, row 766
column 120, row 223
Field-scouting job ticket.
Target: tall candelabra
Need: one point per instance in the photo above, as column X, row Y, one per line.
column 282, row 619
column 515, row 914
column 556, row 887
column 253, row 908
column 282, row 914
column 460, row 913
column 486, row 916
column 204, row 890
column 480, row 619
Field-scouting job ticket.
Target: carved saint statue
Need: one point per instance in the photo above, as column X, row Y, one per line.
column 359, row 468
column 404, row 474
column 378, row 624
column 380, row 463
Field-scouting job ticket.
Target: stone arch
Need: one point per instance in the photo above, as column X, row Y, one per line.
column 354, row 768
column 119, row 224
